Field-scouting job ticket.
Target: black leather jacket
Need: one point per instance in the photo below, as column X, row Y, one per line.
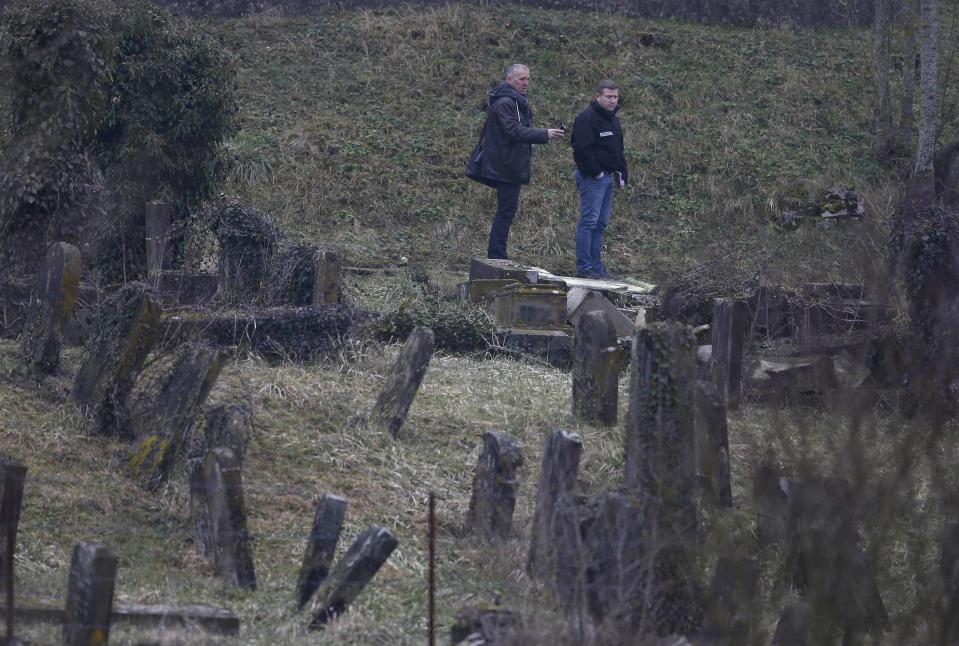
column 508, row 136
column 598, row 142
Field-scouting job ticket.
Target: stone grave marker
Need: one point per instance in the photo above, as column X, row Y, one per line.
column 228, row 426
column 13, row 475
column 219, row 516
column 557, row 476
column 596, row 361
column 321, row 546
column 86, row 620
column 404, row 380
column 728, row 343
column 581, row 301
column 351, row 574
column 495, row 484
column 712, row 444
column 326, row 283
column 163, row 428
column 125, row 331
column 51, row 305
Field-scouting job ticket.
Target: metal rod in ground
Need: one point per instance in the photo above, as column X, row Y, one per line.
column 431, row 632
column 10, row 538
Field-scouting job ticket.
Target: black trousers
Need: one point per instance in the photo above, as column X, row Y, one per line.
column 507, row 202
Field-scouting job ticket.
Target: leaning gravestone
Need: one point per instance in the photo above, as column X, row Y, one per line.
column 351, row 574
column 51, row 305
column 219, row 517
column 557, row 476
column 596, row 363
column 728, row 341
column 125, row 331
column 86, row 619
column 321, row 546
column 404, row 380
column 495, row 485
column 163, row 428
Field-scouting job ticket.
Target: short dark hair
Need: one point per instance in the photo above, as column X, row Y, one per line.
column 606, row 85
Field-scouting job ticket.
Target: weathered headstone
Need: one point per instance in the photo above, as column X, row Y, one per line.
column 660, row 435
column 12, row 478
column 495, row 485
column 247, row 242
column 157, row 216
column 557, row 476
column 596, row 362
column 86, row 620
column 728, row 341
column 351, row 574
column 219, row 516
column 731, row 611
column 771, row 502
column 51, row 305
column 321, row 546
column 125, row 332
column 163, row 428
column 228, row 426
column 712, row 444
column 326, row 282
column 404, row 379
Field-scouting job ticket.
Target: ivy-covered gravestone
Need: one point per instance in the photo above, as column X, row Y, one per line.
column 51, row 305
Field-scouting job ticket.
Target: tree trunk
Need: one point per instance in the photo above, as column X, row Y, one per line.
column 907, row 119
column 923, row 183
column 881, row 35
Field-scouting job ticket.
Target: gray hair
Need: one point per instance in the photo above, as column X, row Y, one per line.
column 515, row 67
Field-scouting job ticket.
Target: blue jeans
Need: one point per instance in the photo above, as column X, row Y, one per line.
column 595, row 206
column 507, row 202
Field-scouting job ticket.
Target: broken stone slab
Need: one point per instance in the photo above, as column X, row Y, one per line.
column 13, row 476
column 660, row 432
column 158, row 217
column 351, row 574
column 163, row 428
column 728, row 343
column 491, row 626
column 795, row 375
column 51, row 305
column 596, row 361
column 321, row 546
column 712, row 445
column 530, row 306
column 484, row 268
column 393, row 403
column 555, row 347
column 484, row 289
column 495, row 485
column 126, row 329
column 89, row 605
column 557, row 476
column 581, row 301
column 731, row 611
column 219, row 517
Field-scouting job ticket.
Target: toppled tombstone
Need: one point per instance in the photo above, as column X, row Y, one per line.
column 125, row 331
column 495, row 485
column 392, row 405
column 321, row 546
column 580, row 301
column 51, row 306
column 219, row 517
column 351, row 574
column 247, row 241
column 839, row 203
column 163, row 427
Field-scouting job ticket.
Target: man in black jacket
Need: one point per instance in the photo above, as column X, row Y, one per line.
column 507, row 138
column 598, row 151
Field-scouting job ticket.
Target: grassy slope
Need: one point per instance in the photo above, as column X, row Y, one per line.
column 355, row 130
column 356, row 127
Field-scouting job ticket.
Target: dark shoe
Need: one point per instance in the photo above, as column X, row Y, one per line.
column 589, row 273
column 606, row 275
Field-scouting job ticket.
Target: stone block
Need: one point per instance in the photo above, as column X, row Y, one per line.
column 485, row 289
column 553, row 346
column 580, row 301
column 484, row 268
column 529, row 306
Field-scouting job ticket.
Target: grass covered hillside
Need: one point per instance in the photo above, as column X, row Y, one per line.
column 356, row 127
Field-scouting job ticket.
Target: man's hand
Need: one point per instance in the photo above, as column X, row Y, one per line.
column 554, row 133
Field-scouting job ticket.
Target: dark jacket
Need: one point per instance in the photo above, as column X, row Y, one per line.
column 508, row 135
column 598, row 142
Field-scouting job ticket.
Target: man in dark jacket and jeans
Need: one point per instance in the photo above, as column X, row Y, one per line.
column 508, row 135
column 598, row 151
